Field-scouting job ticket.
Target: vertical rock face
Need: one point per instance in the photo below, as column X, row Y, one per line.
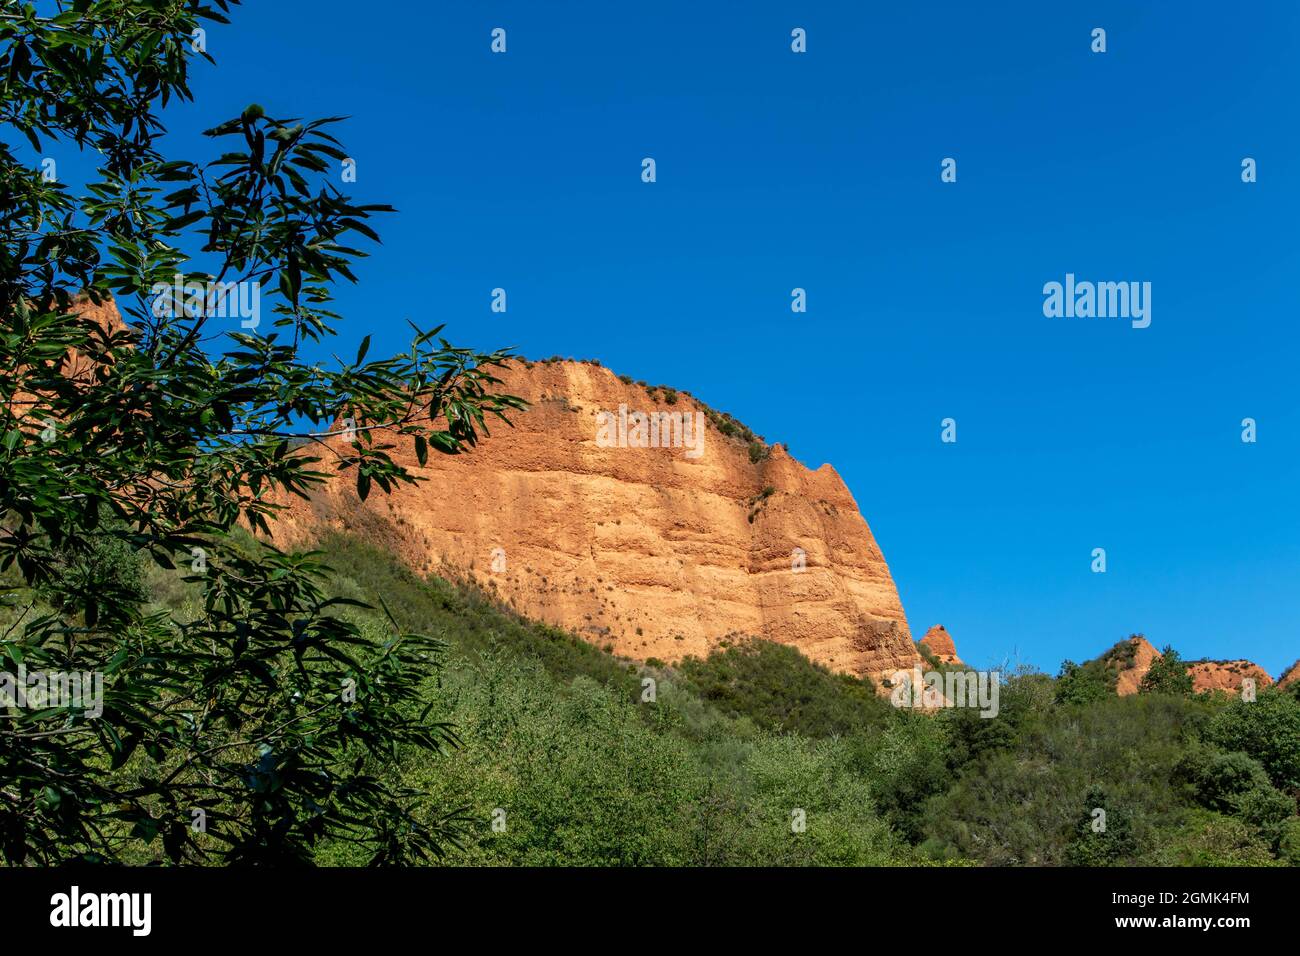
column 939, row 642
column 658, row 551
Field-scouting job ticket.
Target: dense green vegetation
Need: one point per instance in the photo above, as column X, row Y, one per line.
column 578, row 760
column 558, row 753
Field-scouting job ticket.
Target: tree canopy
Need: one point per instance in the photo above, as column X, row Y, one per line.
column 249, row 729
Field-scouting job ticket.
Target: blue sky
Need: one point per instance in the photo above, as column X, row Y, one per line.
column 822, row 171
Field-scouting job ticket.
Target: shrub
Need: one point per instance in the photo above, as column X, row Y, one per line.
column 1289, row 844
column 1168, row 675
column 1084, row 684
column 1103, row 835
column 906, row 766
column 778, row 688
column 1210, row 839
column 1220, row 780
column 101, row 574
column 1019, row 805
column 1267, row 809
column 1267, row 729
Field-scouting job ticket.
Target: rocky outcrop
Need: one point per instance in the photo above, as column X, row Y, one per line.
column 1289, row 676
column 1132, row 658
column 939, row 643
column 1227, row 676
column 660, row 551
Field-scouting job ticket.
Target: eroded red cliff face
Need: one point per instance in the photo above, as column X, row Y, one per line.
column 658, row 551
column 1132, row 658
column 1289, row 676
column 1227, row 676
column 939, row 642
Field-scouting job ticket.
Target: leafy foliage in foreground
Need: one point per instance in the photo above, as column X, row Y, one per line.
column 255, row 725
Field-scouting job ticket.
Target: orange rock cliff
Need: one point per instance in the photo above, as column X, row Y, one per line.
column 939, row 642
column 658, row 552
column 1289, row 676
column 1132, row 658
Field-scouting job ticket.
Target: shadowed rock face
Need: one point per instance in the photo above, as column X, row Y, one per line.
column 658, row 551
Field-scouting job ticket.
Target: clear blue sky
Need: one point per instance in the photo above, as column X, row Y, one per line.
column 821, row 170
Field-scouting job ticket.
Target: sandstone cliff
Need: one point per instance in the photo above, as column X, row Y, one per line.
column 1289, row 676
column 1227, row 676
column 654, row 551
column 1132, row 658
column 939, row 642
column 657, row 551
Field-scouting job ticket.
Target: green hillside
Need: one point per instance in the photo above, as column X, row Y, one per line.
column 559, row 753
column 561, row 745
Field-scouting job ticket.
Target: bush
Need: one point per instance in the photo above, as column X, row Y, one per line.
column 1220, row 780
column 1289, row 844
column 1020, row 805
column 104, row 575
column 1023, row 698
column 906, row 766
column 1268, row 810
column 1267, row 729
column 1084, row 684
column 779, row 689
column 1104, row 834
column 1168, row 675
column 1211, row 839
